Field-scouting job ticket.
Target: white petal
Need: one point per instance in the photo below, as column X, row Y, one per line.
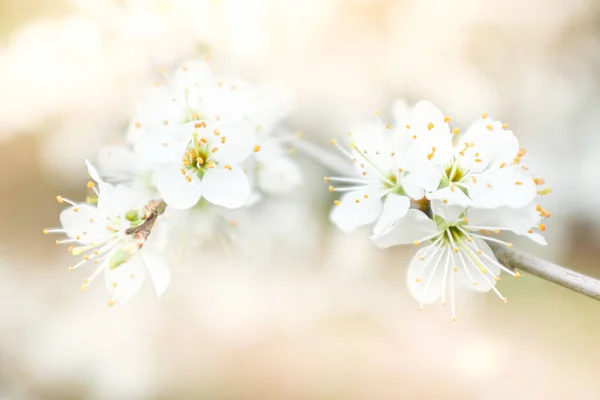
column 239, row 143
column 394, row 208
column 176, row 191
column 488, row 147
column 128, row 277
column 422, row 176
column 86, row 223
column 483, row 284
column 429, row 287
column 519, row 220
column 158, row 270
column 451, row 213
column 350, row 214
column 415, row 225
column 278, row 175
column 92, row 171
column 227, row 188
column 501, row 187
column 451, row 195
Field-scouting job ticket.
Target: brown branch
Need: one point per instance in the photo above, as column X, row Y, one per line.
column 143, row 230
column 562, row 276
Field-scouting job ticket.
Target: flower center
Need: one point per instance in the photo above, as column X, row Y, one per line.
column 198, row 156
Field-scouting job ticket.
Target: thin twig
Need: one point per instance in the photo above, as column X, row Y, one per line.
column 551, row 272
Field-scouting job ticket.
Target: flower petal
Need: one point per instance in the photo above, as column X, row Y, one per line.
column 278, row 175
column 425, row 277
column 394, row 208
column 124, row 281
column 175, row 189
column 227, row 188
column 239, row 142
column 86, row 225
column 415, row 225
column 501, row 187
column 451, row 195
column 355, row 210
column 158, row 270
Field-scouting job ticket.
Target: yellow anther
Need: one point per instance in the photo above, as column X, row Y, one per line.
column 475, row 283
column 388, row 126
column 90, row 184
column 522, row 152
column 414, row 136
column 445, row 201
column 517, row 274
column 377, row 112
column 421, row 258
column 539, row 181
column 504, row 126
column 331, row 189
column 407, row 126
column 214, row 149
column 490, row 127
column 497, row 231
column 456, row 249
column 446, row 119
column 416, row 242
column 138, row 125
column 366, row 196
column 203, row 140
column 544, row 192
column 530, row 231
column 478, row 160
column 76, row 209
column 455, row 269
column 455, row 130
column 357, row 200
column 71, row 269
column 86, row 257
column 505, row 300
column 188, row 178
column 430, row 126
column 59, row 199
column 115, row 284
column 518, row 183
column 111, row 303
column 223, row 139
column 474, row 179
column 364, row 173
column 418, row 280
column 400, row 170
column 216, row 132
column 326, row 179
column 484, row 115
column 336, row 202
column 256, row 148
column 132, row 276
column 542, row 227
column 84, row 287
column 227, row 167
column 503, row 165
column 509, row 245
column 45, row 231
column 333, row 141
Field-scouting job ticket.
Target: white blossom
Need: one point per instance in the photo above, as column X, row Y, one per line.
column 456, row 249
column 385, row 180
column 484, row 167
column 105, row 235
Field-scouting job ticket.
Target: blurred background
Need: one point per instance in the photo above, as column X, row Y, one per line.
column 304, row 312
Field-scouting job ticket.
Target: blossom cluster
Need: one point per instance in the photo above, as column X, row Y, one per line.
column 449, row 193
column 198, row 142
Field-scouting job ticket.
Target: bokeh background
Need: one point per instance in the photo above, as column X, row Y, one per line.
column 304, row 312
